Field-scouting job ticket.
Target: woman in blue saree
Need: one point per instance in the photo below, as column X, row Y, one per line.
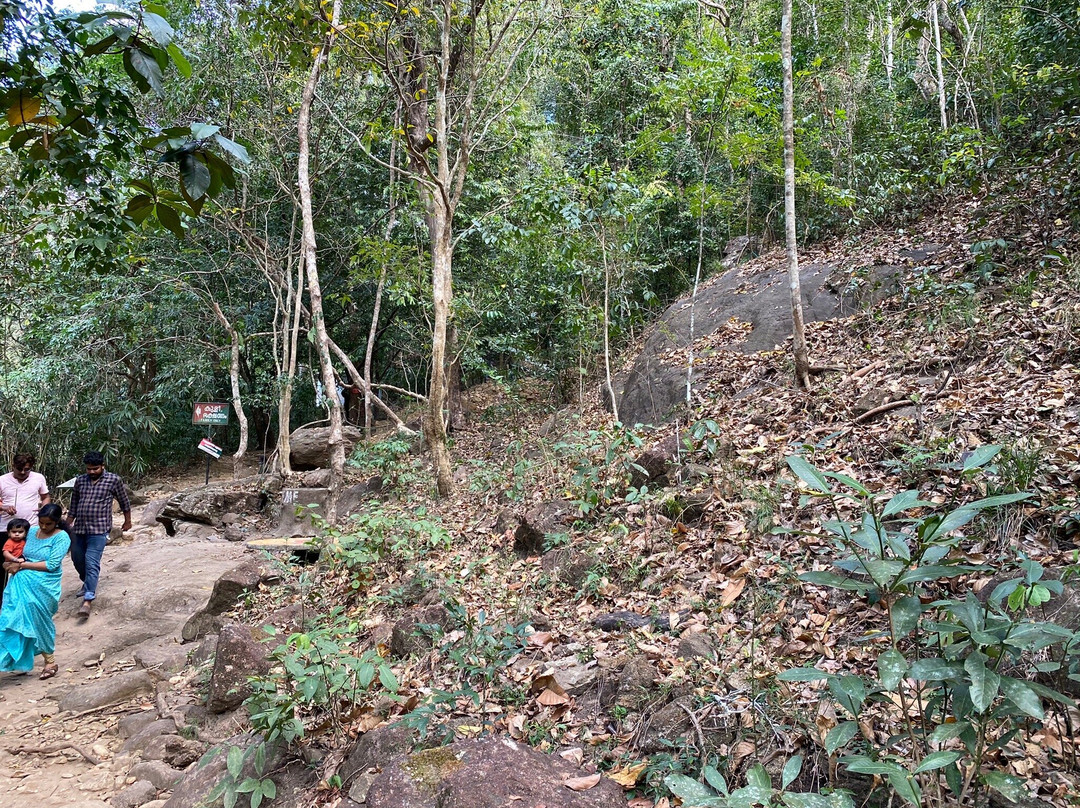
column 32, row 597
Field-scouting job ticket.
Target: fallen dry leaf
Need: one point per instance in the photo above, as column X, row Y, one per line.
column 734, row 589
column 627, row 777
column 574, row 755
column 583, row 783
column 549, row 698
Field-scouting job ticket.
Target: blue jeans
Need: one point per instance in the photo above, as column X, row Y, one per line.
column 86, row 550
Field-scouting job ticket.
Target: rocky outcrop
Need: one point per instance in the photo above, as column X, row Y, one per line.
column 655, row 463
column 226, row 593
column 374, row 750
column 239, row 655
column 112, row 690
column 309, row 446
column 489, row 773
column 655, row 388
column 207, row 505
column 538, row 522
column 412, row 635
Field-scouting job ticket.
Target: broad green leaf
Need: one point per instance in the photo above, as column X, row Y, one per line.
column 759, row 778
column 805, row 801
column 850, row 691
column 891, row 668
column 804, row 675
column 932, row 669
column 1049, row 693
column 1008, row 786
column 937, row 760
column 201, row 131
column 904, row 501
column 980, row 457
column 715, row 779
column 235, row 761
column 984, row 682
column 905, row 613
column 809, row 475
column 1022, row 696
column 180, row 60
column 195, row 175
column 233, row 148
column 822, row 578
column 170, row 219
column 883, row 570
column 839, row 736
column 147, row 67
column 269, row 788
column 791, row 771
column 387, row 678
column 691, row 792
column 850, row 482
column 256, row 799
column 864, row 765
column 161, row 31
column 904, row 785
column 946, row 732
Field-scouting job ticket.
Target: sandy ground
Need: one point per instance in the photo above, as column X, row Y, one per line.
column 150, row 585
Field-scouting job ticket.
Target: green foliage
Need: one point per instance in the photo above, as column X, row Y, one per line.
column 315, row 675
column 602, row 462
column 388, row 458
column 714, row 793
column 957, row 667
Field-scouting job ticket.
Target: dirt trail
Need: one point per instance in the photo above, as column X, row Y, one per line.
column 150, row 585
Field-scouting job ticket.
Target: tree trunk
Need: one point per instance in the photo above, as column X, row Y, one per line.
column 455, row 379
column 798, row 329
column 609, row 385
column 292, row 339
column 442, row 253
column 943, row 107
column 889, row 44
column 309, row 251
column 361, row 382
column 234, row 381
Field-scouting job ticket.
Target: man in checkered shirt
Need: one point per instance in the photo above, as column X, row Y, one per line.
column 91, row 517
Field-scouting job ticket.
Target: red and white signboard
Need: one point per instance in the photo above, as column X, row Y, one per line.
column 210, row 413
column 212, row 449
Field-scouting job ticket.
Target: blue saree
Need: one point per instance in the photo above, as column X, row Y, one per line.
column 31, row 599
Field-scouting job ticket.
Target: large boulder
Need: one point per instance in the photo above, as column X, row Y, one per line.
column 239, row 655
column 227, row 591
column 292, row 778
column 209, row 504
column 541, row 521
column 110, row 690
column 656, row 386
column 376, row 750
column 413, row 633
column 489, row 773
column 309, row 447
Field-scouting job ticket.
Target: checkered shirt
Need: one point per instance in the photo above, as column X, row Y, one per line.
column 91, row 502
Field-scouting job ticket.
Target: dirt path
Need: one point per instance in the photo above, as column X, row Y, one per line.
column 150, row 585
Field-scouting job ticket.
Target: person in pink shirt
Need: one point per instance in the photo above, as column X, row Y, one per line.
column 23, row 492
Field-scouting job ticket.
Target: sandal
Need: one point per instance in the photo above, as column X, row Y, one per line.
column 49, row 671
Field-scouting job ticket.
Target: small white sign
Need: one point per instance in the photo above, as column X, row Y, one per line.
column 211, row 448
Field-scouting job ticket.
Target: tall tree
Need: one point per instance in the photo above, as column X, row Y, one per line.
column 456, row 72
column 802, row 362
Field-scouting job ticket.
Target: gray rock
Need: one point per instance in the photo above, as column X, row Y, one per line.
column 132, row 723
column 292, row 778
column 656, row 463
column 490, row 773
column 376, row 749
column 176, row 751
column 161, row 656
column 309, row 447
column 138, row 793
column 635, row 681
column 410, row 637
column 295, row 508
column 696, row 645
column 355, row 496
column 204, row 651
column 573, row 675
column 233, row 533
column 161, row 774
column 151, row 512
column 540, row 521
column 227, row 592
column 111, row 690
column 567, row 566
column 668, row 725
column 138, row 741
column 194, row 531
column 159, row 803
column 655, row 390
column 208, row 504
column 239, row 655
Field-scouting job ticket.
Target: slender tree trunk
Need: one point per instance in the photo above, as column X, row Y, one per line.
column 391, row 221
column 943, row 106
column 798, row 329
column 361, row 382
column 889, row 52
column 607, row 323
column 309, row 249
column 435, row 428
column 292, row 339
column 234, row 381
